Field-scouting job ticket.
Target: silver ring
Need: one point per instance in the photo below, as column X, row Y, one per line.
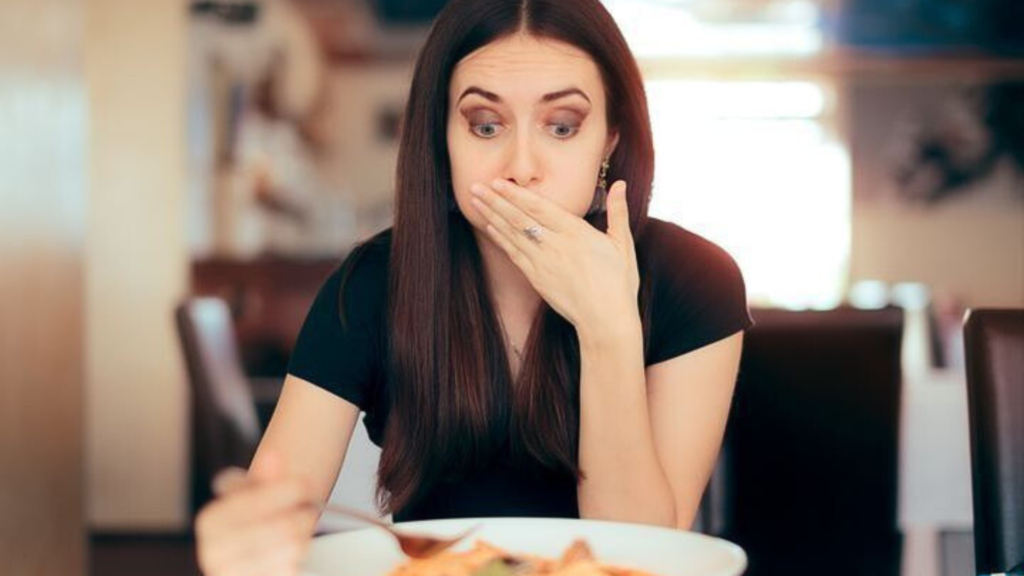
column 533, row 232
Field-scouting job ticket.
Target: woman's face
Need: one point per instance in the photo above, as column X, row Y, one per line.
column 531, row 111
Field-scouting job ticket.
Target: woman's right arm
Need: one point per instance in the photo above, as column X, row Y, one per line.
column 260, row 526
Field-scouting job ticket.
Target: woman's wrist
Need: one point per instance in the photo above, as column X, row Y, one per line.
column 610, row 331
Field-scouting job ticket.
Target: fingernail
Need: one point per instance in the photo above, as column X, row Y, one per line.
column 227, row 479
column 476, row 189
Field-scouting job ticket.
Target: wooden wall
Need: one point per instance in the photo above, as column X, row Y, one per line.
column 42, row 229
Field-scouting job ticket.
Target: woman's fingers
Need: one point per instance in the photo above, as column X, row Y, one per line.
column 242, row 531
column 254, row 548
column 257, row 501
column 282, row 562
column 260, row 523
column 229, row 480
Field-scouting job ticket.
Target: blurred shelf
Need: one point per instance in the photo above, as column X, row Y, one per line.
column 268, row 297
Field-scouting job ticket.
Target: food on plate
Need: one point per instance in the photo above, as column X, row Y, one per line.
column 485, row 559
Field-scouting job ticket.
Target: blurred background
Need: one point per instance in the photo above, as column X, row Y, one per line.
column 850, row 154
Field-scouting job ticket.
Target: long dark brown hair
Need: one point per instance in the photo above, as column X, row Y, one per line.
column 452, row 402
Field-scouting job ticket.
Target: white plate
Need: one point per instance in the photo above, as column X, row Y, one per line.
column 661, row 551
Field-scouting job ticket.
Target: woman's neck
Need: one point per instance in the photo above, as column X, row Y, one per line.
column 513, row 295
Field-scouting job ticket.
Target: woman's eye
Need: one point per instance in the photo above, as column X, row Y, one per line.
column 565, row 131
column 485, row 130
column 489, row 130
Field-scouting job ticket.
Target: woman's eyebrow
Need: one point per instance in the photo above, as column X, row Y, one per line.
column 545, row 98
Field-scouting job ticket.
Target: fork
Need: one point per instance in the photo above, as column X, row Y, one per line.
column 413, row 545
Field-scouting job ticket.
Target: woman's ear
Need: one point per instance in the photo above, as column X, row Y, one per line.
column 613, row 141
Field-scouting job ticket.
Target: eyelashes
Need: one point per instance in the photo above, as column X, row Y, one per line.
column 474, row 127
column 559, row 132
column 563, row 123
column 573, row 129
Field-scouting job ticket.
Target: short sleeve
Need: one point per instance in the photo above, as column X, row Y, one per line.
column 343, row 359
column 699, row 294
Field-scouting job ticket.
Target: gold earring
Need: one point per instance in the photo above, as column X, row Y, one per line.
column 600, row 194
column 601, row 183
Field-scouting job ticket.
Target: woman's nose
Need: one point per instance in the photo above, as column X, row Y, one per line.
column 523, row 166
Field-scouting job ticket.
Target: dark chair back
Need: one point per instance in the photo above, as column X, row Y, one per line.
column 994, row 345
column 807, row 481
column 225, row 428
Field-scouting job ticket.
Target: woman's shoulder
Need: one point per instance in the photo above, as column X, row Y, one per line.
column 338, row 347
column 672, row 250
column 698, row 291
column 369, row 256
column 360, row 279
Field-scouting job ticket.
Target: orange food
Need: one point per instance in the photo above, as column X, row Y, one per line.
column 485, row 559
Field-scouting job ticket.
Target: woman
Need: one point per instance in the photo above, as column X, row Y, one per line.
column 523, row 340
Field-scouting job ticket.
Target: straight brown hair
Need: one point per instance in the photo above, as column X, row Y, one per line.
column 452, row 402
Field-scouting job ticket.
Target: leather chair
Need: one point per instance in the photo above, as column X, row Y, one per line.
column 807, row 478
column 994, row 346
column 225, row 427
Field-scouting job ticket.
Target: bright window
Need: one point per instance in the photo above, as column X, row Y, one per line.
column 757, row 168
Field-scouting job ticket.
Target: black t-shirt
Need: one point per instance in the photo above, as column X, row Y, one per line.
column 698, row 297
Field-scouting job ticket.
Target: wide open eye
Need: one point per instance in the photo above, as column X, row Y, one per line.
column 565, row 131
column 486, row 130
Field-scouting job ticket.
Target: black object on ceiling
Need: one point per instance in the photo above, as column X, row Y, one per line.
column 407, row 12
column 237, row 13
column 389, row 12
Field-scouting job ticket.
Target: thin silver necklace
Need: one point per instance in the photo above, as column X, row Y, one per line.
column 518, row 352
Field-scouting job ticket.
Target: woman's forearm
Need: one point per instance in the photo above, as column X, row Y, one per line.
column 624, row 479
